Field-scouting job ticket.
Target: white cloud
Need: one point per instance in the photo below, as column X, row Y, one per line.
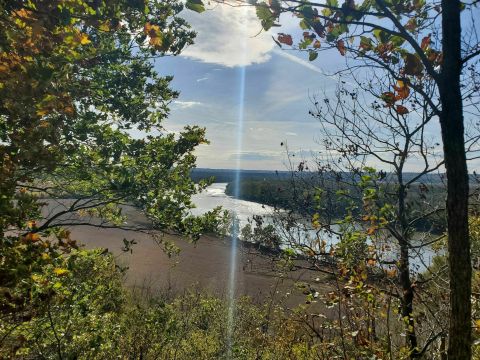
column 202, row 79
column 289, row 133
column 228, row 36
column 185, row 104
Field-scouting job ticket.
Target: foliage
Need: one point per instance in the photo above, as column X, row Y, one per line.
column 89, row 315
column 81, row 111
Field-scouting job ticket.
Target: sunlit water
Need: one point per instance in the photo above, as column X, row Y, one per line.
column 215, row 196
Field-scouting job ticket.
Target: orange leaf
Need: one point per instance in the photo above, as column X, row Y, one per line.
column 402, row 90
column 33, row 237
column 391, row 273
column 425, row 42
column 341, row 47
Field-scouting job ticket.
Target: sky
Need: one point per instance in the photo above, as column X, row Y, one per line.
column 252, row 97
column 278, row 88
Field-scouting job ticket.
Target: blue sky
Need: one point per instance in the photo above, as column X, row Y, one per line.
column 279, row 85
column 278, row 88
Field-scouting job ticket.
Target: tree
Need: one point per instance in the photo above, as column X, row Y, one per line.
column 412, row 41
column 369, row 211
column 81, row 110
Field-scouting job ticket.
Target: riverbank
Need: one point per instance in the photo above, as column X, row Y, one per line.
column 204, row 265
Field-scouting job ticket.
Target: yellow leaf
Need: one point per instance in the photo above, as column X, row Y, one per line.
column 105, row 26
column 42, row 112
column 84, row 40
column 60, row 271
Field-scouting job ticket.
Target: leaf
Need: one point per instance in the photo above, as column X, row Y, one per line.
column 276, row 7
column 83, row 39
column 317, row 44
column 33, row 237
column 195, row 5
column 265, row 15
column 401, row 110
column 413, row 65
column 426, row 42
column 388, row 97
column 402, row 90
column 312, row 55
column 304, row 25
column 60, row 271
column 285, row 39
column 365, row 43
column 341, row 47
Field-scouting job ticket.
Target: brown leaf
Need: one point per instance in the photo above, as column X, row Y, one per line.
column 341, row 47
column 388, row 97
column 413, row 65
column 401, row 110
column 285, row 39
column 317, row 44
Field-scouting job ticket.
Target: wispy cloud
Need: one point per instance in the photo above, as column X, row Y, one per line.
column 202, row 79
column 185, row 104
column 306, row 64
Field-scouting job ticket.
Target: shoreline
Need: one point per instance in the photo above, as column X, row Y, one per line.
column 204, row 265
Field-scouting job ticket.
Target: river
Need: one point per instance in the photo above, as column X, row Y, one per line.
column 215, row 196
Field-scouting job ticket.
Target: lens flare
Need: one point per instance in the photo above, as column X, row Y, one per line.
column 235, row 223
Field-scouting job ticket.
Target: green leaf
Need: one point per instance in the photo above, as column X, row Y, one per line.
column 304, row 25
column 195, row 5
column 307, row 12
column 265, row 15
column 381, row 36
column 397, row 40
column 312, row 55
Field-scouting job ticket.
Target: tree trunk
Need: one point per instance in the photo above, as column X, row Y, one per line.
column 404, row 272
column 451, row 121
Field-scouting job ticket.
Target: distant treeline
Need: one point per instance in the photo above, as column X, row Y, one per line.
column 228, row 175
column 301, row 197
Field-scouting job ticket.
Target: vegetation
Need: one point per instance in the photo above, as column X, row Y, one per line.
column 77, row 86
column 76, row 81
column 436, row 68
